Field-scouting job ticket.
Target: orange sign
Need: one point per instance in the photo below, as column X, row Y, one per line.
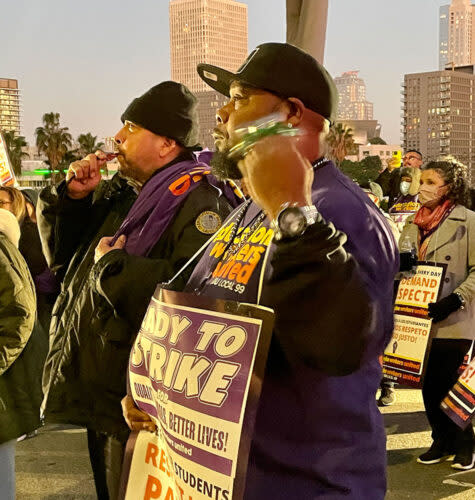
column 7, row 177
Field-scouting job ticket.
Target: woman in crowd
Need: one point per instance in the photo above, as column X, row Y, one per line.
column 443, row 231
column 23, row 203
column 12, row 200
column 47, row 287
column 22, row 346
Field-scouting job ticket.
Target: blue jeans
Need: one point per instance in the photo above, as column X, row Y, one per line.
column 7, row 470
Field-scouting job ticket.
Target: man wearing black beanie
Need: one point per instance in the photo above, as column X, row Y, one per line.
column 111, row 242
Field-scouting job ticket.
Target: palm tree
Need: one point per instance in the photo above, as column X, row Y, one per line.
column 70, row 156
column 15, row 144
column 340, row 141
column 54, row 141
column 87, row 144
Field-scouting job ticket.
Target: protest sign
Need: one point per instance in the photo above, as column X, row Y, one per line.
column 405, row 357
column 459, row 404
column 402, row 209
column 196, row 368
column 7, row 177
column 466, row 360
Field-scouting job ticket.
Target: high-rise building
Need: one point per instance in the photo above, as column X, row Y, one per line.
column 352, row 104
column 456, row 34
column 444, row 36
column 9, row 105
column 439, row 115
column 206, row 31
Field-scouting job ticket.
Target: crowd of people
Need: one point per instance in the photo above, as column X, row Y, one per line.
column 332, row 263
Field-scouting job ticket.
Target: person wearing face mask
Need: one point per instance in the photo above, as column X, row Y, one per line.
column 390, row 179
column 406, row 203
column 443, row 231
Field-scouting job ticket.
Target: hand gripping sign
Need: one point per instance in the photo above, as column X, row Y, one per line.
column 196, row 368
column 405, row 357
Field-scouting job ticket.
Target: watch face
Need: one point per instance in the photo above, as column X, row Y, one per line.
column 292, row 222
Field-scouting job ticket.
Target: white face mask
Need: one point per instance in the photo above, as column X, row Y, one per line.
column 404, row 187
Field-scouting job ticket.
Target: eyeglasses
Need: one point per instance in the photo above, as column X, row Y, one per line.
column 131, row 126
column 2, row 202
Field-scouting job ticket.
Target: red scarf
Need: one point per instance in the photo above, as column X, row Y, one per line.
column 427, row 220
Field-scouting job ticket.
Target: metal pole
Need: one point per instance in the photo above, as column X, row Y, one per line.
column 307, row 26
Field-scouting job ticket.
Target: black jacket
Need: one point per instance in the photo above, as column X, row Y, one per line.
column 22, row 347
column 101, row 306
column 390, row 184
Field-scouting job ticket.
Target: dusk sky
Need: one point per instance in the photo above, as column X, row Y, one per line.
column 87, row 60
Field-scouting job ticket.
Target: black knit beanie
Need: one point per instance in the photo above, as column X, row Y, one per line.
column 168, row 109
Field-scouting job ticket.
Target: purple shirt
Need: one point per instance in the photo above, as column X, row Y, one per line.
column 317, row 436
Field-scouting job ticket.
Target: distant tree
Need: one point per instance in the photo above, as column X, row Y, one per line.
column 54, row 141
column 70, row 156
column 353, row 149
column 88, row 144
column 351, row 169
column 371, row 166
column 377, row 140
column 362, row 171
column 15, row 144
column 340, row 142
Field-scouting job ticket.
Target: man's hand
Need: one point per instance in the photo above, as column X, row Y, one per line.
column 275, row 172
column 104, row 246
column 84, row 175
column 136, row 419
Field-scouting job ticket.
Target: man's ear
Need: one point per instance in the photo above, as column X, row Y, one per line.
column 168, row 147
column 296, row 110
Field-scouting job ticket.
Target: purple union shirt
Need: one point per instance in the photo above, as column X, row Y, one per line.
column 316, row 436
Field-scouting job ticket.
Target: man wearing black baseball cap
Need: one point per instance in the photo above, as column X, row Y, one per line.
column 318, row 431
column 111, row 242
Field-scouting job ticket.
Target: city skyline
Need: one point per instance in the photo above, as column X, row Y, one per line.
column 438, row 114
column 211, row 31
column 456, row 34
column 10, row 103
column 89, row 75
column 206, row 31
column 352, row 103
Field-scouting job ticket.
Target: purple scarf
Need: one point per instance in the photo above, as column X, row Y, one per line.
column 46, row 282
column 160, row 197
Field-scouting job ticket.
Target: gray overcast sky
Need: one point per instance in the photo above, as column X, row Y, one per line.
column 88, row 59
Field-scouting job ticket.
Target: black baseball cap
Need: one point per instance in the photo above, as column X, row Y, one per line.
column 168, row 109
column 283, row 69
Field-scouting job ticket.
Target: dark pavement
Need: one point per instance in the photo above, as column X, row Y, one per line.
column 55, row 464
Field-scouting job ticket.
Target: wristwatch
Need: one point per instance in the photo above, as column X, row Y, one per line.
column 462, row 300
column 292, row 221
